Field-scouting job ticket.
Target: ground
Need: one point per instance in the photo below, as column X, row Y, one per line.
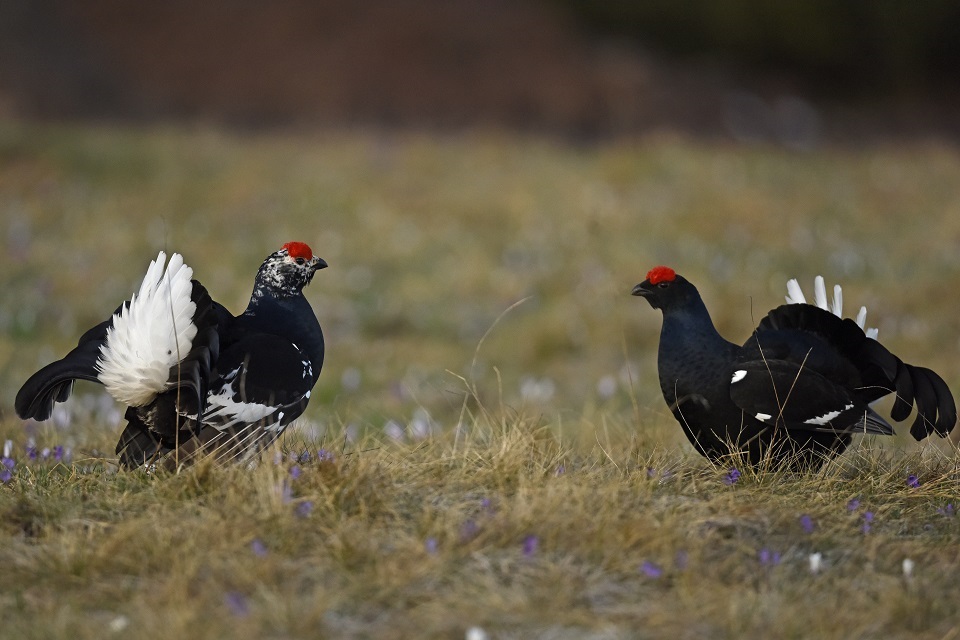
column 487, row 446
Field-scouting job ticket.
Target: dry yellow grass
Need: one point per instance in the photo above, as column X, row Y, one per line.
column 535, row 486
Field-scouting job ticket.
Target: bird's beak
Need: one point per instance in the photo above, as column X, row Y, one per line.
column 640, row 290
column 321, row 263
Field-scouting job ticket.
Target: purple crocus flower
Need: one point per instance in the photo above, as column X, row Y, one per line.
column 732, row 476
column 258, row 548
column 295, row 471
column 651, row 569
column 5, row 475
column 324, row 456
column 912, row 481
column 768, row 558
column 469, row 531
column 948, row 510
column 236, row 603
column 430, row 545
column 807, row 523
column 867, row 520
column 8, row 463
column 530, row 545
column 304, row 509
column 854, row 504
column 58, row 453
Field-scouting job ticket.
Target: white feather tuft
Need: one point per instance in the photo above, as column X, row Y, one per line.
column 820, row 292
column 795, row 296
column 150, row 335
column 837, row 308
column 794, row 292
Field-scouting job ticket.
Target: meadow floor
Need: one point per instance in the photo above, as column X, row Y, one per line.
column 486, row 446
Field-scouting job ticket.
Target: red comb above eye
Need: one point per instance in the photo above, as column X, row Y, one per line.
column 298, row 250
column 661, row 274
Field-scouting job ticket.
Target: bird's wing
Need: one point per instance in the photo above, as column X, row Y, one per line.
column 879, row 372
column 264, row 383
column 783, row 392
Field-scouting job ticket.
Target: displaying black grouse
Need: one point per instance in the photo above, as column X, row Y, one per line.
column 796, row 391
column 194, row 377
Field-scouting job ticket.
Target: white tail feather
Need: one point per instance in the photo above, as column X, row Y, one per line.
column 820, row 293
column 795, row 296
column 794, row 293
column 150, row 335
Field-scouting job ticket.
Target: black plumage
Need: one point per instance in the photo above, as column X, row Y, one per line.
column 795, row 392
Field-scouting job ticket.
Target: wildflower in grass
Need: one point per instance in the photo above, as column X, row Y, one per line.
column 530, row 545
column 118, row 624
column 394, row 431
column 912, row 481
column 45, row 453
column 236, row 602
column 732, row 476
column 277, row 458
column 806, row 522
column 768, row 558
column 304, row 509
column 651, row 472
column 560, row 470
column 58, row 453
column 948, row 510
column 476, row 633
column 651, row 569
column 324, row 456
column 430, row 545
column 854, row 504
column 908, row 566
column 867, row 521
column 31, row 449
column 295, row 471
column 469, row 531
column 816, row 562
column 259, row 549
column 7, row 463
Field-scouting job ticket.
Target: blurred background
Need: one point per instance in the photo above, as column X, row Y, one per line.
column 744, row 68
column 451, row 158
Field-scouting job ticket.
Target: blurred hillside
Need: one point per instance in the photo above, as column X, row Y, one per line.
column 794, row 72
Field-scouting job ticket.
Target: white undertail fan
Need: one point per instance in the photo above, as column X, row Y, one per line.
column 835, row 306
column 150, row 335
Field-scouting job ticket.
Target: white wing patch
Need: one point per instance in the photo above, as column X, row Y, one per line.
column 224, row 411
column 827, row 417
column 763, row 416
column 150, row 335
column 738, row 376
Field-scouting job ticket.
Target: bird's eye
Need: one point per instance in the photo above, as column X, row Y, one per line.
column 663, row 285
column 300, row 261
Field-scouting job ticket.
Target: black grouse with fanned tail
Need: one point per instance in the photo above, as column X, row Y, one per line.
column 195, row 378
column 796, row 391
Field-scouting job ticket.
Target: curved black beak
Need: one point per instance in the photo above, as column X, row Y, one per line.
column 321, row 263
column 640, row 290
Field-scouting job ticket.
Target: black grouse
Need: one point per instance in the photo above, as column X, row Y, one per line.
column 796, row 391
column 195, row 378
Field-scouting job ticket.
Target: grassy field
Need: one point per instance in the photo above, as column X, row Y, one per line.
column 487, row 446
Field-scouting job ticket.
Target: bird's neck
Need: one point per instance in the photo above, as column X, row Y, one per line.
column 691, row 328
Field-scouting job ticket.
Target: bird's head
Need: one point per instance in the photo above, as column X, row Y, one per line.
column 287, row 271
column 664, row 289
